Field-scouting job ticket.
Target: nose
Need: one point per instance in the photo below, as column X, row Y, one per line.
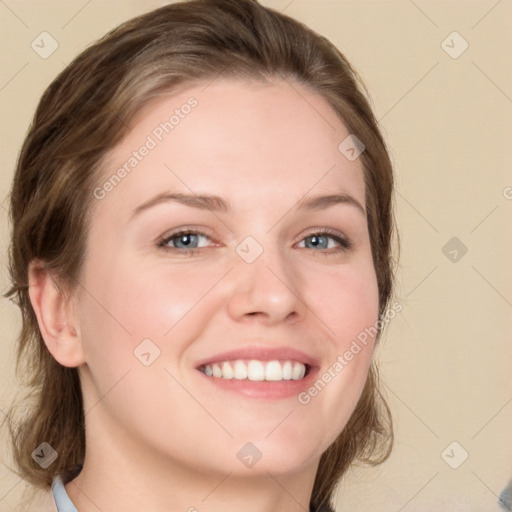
column 267, row 289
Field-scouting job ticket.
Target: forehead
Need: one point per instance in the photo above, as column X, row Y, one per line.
column 247, row 141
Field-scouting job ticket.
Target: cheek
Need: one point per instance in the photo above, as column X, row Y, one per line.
column 345, row 299
column 163, row 303
column 348, row 307
column 162, row 300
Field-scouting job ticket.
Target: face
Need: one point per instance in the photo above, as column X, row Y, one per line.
column 177, row 288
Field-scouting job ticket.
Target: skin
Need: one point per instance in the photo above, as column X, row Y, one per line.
column 161, row 437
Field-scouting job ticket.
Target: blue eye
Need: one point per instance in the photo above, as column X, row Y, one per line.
column 185, row 242
column 321, row 240
column 187, row 239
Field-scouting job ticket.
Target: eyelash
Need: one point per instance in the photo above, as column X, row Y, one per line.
column 345, row 243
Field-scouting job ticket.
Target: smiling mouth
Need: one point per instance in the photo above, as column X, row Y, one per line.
column 256, row 370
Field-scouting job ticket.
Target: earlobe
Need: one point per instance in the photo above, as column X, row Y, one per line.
column 55, row 315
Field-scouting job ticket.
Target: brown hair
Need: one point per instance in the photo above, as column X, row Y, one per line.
column 86, row 111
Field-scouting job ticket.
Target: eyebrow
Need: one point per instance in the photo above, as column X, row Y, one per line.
column 217, row 204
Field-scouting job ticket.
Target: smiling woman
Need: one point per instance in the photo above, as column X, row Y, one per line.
column 201, row 329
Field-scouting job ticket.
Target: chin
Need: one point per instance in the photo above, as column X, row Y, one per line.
column 276, row 456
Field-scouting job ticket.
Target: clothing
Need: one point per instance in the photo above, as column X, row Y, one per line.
column 62, row 500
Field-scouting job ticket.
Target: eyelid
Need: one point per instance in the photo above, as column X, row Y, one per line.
column 164, row 239
column 345, row 243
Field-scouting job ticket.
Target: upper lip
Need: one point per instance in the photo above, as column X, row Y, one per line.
column 261, row 353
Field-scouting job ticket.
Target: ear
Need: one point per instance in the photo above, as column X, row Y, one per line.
column 55, row 315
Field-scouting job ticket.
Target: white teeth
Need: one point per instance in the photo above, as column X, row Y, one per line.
column 273, row 371
column 287, row 370
column 298, row 371
column 255, row 370
column 240, row 370
column 227, row 371
column 217, row 372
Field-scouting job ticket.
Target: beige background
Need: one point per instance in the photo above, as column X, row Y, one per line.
column 446, row 358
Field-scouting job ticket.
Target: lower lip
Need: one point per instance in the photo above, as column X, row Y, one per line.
column 269, row 390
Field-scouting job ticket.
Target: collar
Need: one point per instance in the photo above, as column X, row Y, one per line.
column 64, row 504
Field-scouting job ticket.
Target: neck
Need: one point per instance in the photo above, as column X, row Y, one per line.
column 137, row 478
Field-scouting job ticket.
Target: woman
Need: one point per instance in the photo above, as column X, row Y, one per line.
column 201, row 251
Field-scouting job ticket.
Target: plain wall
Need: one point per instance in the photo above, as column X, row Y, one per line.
column 446, row 358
